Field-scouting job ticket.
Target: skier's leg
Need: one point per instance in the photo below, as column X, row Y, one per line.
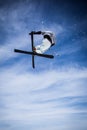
column 45, row 45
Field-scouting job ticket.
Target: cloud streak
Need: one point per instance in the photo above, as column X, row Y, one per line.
column 50, row 96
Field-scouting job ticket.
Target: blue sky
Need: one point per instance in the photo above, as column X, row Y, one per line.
column 53, row 96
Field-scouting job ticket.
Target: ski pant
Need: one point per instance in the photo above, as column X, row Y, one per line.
column 46, row 44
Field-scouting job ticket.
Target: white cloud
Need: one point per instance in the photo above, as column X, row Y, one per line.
column 40, row 97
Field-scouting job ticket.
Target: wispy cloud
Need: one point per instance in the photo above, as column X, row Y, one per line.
column 43, row 97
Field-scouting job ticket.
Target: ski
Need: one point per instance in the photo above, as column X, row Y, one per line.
column 34, row 53
column 32, row 45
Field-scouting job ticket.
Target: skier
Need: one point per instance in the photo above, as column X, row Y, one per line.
column 47, row 42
